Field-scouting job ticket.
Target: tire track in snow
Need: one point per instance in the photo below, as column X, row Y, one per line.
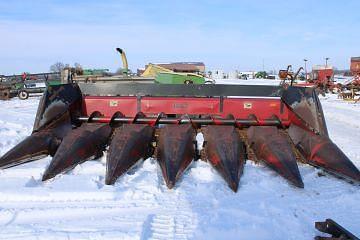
column 76, row 222
column 175, row 220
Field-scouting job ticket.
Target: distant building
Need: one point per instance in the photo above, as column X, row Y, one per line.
column 247, row 74
column 218, row 74
column 140, row 71
column 233, row 75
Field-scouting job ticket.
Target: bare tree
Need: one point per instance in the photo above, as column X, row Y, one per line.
column 77, row 66
column 57, row 67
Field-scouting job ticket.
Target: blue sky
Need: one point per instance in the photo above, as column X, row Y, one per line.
column 224, row 34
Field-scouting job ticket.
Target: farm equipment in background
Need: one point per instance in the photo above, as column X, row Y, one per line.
column 25, row 84
column 5, row 91
column 286, row 74
column 152, row 70
column 180, row 78
column 271, row 124
column 124, row 75
column 165, row 76
column 125, row 69
column 323, row 78
column 355, row 67
column 152, row 73
column 289, row 75
column 351, row 90
column 261, row 74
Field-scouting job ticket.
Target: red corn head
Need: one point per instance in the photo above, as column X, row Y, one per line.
column 320, row 151
column 129, row 144
column 79, row 145
column 31, row 148
column 273, row 148
column 226, row 153
column 175, row 151
column 53, row 121
column 39, row 144
column 101, row 108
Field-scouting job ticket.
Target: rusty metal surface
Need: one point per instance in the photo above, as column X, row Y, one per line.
column 241, row 108
column 79, row 145
column 175, row 151
column 5, row 93
column 64, row 107
column 31, row 148
column 130, row 143
column 273, row 148
column 320, row 151
column 355, row 66
column 180, row 90
column 336, row 231
column 226, row 153
column 203, row 121
column 305, row 104
column 55, row 102
column 53, row 121
column 38, row 144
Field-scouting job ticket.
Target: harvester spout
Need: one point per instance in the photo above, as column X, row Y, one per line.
column 124, row 60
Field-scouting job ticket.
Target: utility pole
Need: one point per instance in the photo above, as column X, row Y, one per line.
column 305, row 60
column 263, row 65
column 326, row 61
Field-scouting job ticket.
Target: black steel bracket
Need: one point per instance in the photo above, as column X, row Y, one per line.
column 336, row 231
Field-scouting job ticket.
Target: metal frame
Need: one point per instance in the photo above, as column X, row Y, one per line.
column 335, row 230
column 66, row 128
column 194, row 90
column 152, row 99
column 238, row 111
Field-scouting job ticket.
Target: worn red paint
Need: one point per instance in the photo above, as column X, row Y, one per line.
column 273, row 148
column 226, row 153
column 322, row 152
column 263, row 108
column 130, row 143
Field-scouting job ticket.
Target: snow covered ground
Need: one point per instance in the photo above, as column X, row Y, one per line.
column 78, row 205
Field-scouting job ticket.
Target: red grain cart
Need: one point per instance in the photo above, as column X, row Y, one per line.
column 355, row 66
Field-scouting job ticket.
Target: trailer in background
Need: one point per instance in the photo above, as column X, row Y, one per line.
column 322, row 73
column 24, row 85
column 355, row 66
